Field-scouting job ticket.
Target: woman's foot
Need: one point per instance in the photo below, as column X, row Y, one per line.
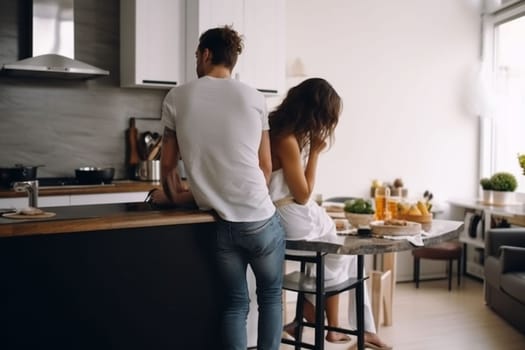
column 372, row 341
column 337, row 338
column 290, row 328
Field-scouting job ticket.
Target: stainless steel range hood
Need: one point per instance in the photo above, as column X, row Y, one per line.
column 53, row 46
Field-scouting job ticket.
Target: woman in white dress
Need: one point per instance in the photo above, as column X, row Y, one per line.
column 299, row 130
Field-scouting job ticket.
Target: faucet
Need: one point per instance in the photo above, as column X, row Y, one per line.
column 31, row 187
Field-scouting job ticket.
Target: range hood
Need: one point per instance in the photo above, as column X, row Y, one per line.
column 53, row 45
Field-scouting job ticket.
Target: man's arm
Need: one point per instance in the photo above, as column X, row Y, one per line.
column 171, row 182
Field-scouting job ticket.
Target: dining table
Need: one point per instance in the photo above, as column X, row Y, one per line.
column 354, row 242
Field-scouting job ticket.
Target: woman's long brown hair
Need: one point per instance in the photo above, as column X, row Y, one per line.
column 309, row 110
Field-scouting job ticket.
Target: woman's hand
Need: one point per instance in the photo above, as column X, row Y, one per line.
column 317, row 145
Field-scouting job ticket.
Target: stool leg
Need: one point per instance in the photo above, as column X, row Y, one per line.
column 319, row 302
column 416, row 272
column 449, row 273
column 459, row 270
column 299, row 315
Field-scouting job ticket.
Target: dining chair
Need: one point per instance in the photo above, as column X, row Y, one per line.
column 448, row 251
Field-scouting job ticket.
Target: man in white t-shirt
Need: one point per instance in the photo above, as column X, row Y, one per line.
column 219, row 127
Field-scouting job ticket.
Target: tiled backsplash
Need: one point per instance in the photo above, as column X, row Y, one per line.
column 67, row 124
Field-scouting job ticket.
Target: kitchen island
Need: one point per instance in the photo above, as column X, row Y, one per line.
column 109, row 276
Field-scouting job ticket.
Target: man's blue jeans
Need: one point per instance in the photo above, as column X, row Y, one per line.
column 260, row 244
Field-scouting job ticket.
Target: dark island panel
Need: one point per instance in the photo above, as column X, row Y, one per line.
column 137, row 288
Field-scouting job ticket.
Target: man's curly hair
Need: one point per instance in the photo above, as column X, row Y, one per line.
column 224, row 43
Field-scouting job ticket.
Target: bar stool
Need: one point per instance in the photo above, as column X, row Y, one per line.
column 304, row 283
column 443, row 251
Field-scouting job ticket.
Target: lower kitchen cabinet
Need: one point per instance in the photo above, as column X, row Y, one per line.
column 134, row 288
column 107, row 198
column 84, row 199
column 21, row 202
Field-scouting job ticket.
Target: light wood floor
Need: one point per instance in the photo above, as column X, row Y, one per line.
column 431, row 318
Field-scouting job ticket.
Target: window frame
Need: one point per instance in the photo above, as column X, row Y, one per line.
column 487, row 133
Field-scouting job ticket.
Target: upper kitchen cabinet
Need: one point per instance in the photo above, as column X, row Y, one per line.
column 264, row 45
column 152, row 43
column 261, row 22
column 202, row 15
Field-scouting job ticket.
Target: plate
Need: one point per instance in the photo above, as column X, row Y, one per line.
column 410, row 229
column 44, row 215
column 347, row 232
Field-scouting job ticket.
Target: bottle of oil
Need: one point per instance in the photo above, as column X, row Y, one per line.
column 133, row 157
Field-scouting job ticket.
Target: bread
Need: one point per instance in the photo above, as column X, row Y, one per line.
column 395, row 222
column 31, row 211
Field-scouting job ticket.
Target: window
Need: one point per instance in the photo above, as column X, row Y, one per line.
column 503, row 125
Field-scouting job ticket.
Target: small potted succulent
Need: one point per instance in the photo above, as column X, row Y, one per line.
column 503, row 185
column 359, row 211
column 486, row 186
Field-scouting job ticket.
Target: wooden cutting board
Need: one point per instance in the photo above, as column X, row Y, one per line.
column 43, row 215
column 380, row 229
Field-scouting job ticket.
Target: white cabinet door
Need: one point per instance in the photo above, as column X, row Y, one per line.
column 202, row 15
column 152, row 43
column 106, row 198
column 264, row 55
column 22, row 202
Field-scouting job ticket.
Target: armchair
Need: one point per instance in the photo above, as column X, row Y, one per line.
column 505, row 274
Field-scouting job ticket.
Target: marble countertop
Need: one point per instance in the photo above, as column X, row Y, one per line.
column 442, row 230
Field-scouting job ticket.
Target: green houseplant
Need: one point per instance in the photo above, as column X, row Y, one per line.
column 503, row 181
column 486, row 186
column 359, row 211
column 502, row 185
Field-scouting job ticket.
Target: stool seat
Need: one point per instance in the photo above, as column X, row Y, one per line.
column 441, row 251
column 449, row 251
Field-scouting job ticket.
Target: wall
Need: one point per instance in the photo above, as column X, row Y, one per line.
column 401, row 68
column 67, row 124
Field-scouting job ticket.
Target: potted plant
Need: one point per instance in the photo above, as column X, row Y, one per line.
column 486, row 186
column 359, row 211
column 503, row 185
column 521, row 160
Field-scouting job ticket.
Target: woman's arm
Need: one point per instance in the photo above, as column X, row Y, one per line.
column 300, row 180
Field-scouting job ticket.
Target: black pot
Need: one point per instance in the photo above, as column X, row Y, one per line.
column 94, row 176
column 19, row 172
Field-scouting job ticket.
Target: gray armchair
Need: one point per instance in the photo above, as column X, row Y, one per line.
column 505, row 274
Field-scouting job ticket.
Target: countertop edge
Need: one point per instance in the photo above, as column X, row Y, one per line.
column 115, row 222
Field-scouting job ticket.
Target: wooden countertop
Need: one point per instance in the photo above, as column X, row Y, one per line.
column 117, row 186
column 85, row 218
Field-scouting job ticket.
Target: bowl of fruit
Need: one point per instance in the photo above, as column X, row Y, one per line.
column 418, row 212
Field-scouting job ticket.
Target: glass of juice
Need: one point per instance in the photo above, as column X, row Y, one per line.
column 391, row 204
column 380, row 198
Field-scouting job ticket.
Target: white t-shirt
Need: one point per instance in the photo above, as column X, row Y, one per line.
column 219, row 123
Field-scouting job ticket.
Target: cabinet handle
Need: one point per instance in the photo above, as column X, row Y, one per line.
column 163, row 82
column 268, row 91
